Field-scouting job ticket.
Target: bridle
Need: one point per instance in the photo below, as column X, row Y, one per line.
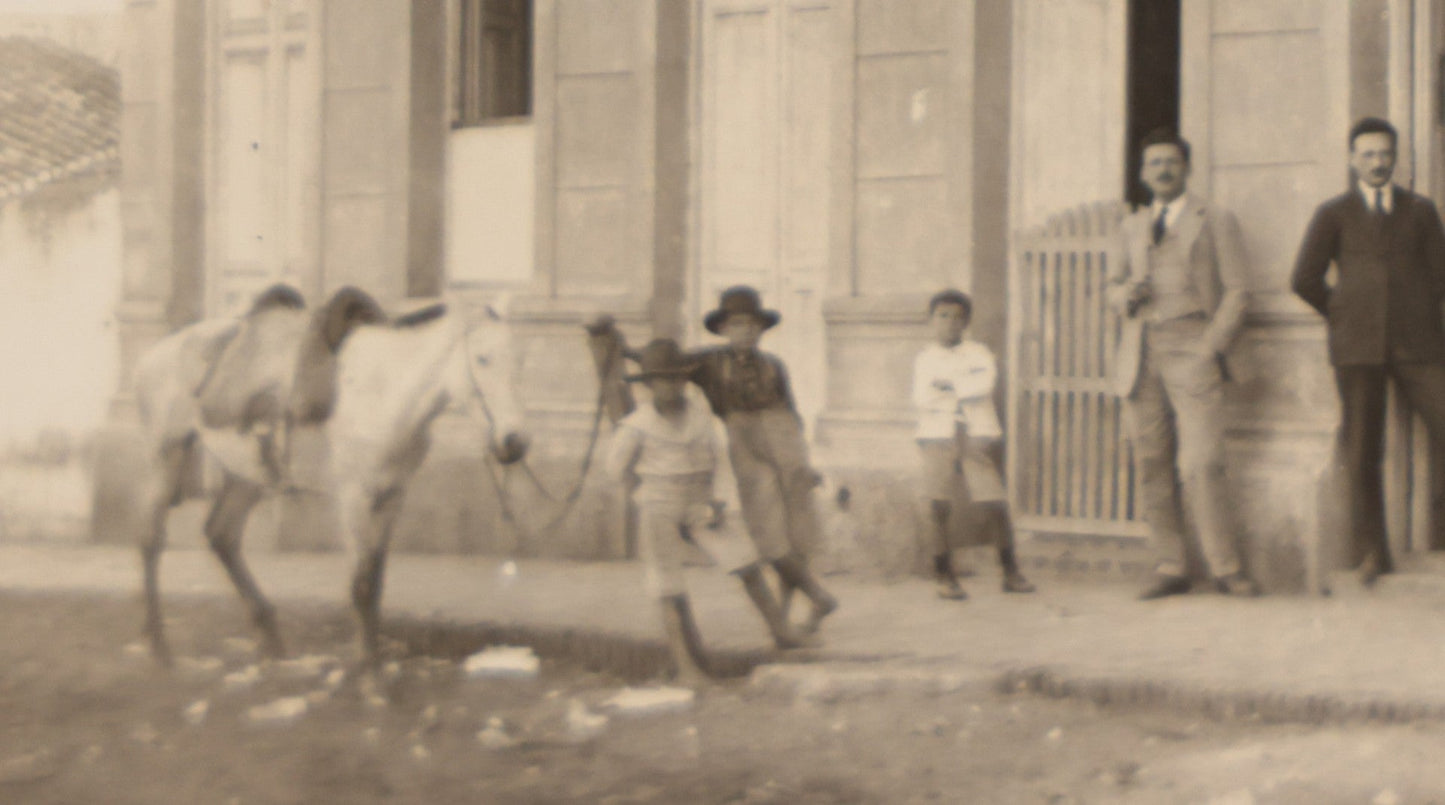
column 499, row 485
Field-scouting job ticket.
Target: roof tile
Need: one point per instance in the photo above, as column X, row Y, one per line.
column 59, row 114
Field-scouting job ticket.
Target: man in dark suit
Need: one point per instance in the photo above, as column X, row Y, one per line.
column 1179, row 287
column 1384, row 316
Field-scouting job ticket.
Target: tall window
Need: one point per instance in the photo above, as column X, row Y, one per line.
column 495, row 80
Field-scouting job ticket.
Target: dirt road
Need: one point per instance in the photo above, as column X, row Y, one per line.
column 85, row 718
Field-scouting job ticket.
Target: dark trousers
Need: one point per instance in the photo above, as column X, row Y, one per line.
column 1362, row 440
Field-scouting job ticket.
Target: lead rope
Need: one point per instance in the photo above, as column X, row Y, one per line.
column 498, row 485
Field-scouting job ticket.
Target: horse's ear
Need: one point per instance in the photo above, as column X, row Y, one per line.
column 346, row 309
column 498, row 308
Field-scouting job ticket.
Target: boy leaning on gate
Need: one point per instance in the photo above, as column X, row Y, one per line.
column 670, row 450
column 748, row 389
column 959, row 438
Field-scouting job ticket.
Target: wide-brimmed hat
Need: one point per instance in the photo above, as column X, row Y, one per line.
column 662, row 357
column 740, row 299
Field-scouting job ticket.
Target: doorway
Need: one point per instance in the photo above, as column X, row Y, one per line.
column 765, row 72
column 263, row 150
column 1152, row 94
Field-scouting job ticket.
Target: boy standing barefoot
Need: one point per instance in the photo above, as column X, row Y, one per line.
column 672, row 450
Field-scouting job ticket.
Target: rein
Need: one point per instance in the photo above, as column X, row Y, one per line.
column 500, row 487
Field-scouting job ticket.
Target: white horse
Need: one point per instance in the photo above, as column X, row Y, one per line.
column 242, row 389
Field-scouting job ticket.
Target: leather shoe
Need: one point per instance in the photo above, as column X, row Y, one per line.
column 1370, row 569
column 1166, row 586
column 1237, row 584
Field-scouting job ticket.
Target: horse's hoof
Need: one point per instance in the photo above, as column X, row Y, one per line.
column 371, row 689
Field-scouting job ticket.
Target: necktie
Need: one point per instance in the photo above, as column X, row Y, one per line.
column 1159, row 225
column 1379, row 201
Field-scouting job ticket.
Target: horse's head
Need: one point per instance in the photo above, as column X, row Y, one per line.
column 491, row 381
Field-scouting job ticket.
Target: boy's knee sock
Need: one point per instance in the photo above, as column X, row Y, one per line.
column 943, row 565
column 999, row 521
column 940, row 510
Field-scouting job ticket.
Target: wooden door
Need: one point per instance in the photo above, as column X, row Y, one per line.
column 766, row 72
column 263, row 150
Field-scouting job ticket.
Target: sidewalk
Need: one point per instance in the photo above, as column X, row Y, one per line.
column 1354, row 655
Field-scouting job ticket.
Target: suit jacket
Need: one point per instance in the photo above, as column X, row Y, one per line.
column 1385, row 303
column 1216, row 263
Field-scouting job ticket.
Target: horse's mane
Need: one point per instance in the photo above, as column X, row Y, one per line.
column 279, row 295
column 416, row 318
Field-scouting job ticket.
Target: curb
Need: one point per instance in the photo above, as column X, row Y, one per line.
column 1223, row 703
column 631, row 658
column 817, row 677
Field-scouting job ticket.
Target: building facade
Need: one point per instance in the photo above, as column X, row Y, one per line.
column 846, row 157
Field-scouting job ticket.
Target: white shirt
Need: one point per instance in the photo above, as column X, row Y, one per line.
column 1171, row 211
column 1387, row 197
column 954, row 385
column 661, row 452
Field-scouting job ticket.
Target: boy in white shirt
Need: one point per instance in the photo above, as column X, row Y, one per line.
column 959, row 438
column 669, row 451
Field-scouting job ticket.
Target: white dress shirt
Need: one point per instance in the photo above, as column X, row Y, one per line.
column 967, row 373
column 1171, row 210
column 1387, row 196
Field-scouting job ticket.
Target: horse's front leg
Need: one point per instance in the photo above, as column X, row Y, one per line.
column 368, row 520
column 162, row 486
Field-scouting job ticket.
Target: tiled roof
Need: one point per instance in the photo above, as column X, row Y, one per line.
column 59, row 115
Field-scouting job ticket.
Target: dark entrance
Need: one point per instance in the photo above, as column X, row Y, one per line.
column 1153, row 81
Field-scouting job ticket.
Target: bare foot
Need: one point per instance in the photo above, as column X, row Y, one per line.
column 821, row 610
column 951, row 590
column 792, row 640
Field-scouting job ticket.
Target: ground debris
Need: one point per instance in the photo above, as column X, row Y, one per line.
column 583, row 724
column 200, row 666
column 494, row 735
column 502, row 661
column 145, row 733
column 278, row 712
column 243, row 679
column 650, row 701
column 310, row 665
column 196, row 712
column 239, row 646
column 28, row 767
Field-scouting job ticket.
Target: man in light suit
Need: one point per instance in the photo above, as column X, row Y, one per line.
column 1179, row 286
column 1383, row 311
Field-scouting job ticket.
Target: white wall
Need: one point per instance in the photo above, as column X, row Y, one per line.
column 60, row 282
column 491, row 187
column 1068, row 106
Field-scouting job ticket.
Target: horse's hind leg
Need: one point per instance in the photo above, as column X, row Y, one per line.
column 224, row 528
column 162, row 491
